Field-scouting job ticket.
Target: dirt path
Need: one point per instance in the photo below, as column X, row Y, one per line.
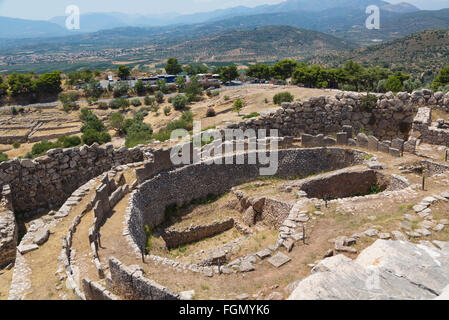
column 44, row 262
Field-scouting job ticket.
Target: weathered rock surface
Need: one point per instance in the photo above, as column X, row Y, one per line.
column 385, row 270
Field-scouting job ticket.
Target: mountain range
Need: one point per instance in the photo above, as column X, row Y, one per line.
column 92, row 22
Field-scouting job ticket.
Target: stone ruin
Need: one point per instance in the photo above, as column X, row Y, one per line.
column 322, row 149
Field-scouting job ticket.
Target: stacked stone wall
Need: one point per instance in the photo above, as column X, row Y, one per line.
column 175, row 238
column 47, row 181
column 389, row 118
column 130, row 284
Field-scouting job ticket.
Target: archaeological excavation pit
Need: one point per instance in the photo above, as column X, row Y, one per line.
column 347, row 183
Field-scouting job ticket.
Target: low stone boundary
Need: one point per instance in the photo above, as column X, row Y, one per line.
column 95, row 291
column 66, row 253
column 175, row 238
column 395, row 148
column 130, row 284
column 106, row 196
column 34, row 137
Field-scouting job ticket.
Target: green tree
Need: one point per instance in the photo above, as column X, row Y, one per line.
column 173, row 67
column 21, row 84
column 258, row 71
column 442, row 79
column 123, row 72
column 49, row 83
column 394, row 84
column 179, row 102
column 181, row 83
column 284, row 69
column 3, row 88
column 193, row 89
column 93, row 89
column 238, row 105
column 139, row 87
column 229, row 73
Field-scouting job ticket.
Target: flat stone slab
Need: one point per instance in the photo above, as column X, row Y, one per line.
column 27, row 248
column 262, row 254
column 445, row 195
column 424, row 232
column 384, row 236
column 425, row 213
column 371, row 233
column 246, row 266
column 41, row 237
column 279, row 260
column 398, row 235
column 420, row 207
column 429, row 200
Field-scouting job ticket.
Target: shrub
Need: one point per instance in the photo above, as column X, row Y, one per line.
column 251, row 115
column 91, row 136
column 159, row 97
column 210, row 112
column 16, row 145
column 238, row 105
column 138, row 133
column 136, row 102
column 117, row 122
column 103, row 106
column 149, row 101
column 69, row 142
column 42, row 147
column 3, row 157
column 368, row 102
column 226, row 98
column 167, row 110
column 282, row 97
column 120, row 103
column 179, row 102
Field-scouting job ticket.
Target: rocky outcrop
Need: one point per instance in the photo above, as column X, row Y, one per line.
column 385, row 270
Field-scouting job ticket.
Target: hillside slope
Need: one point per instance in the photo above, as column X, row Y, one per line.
column 419, row 53
column 262, row 44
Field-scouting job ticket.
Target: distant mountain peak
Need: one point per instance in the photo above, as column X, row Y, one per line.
column 402, row 7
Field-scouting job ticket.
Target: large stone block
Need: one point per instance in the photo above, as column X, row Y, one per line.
column 362, row 140
column 373, row 143
column 342, row 138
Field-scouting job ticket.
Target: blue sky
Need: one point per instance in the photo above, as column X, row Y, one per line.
column 45, row 9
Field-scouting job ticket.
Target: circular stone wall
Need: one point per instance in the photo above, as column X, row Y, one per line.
column 148, row 203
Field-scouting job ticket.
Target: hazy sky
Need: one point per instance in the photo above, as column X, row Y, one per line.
column 45, row 9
